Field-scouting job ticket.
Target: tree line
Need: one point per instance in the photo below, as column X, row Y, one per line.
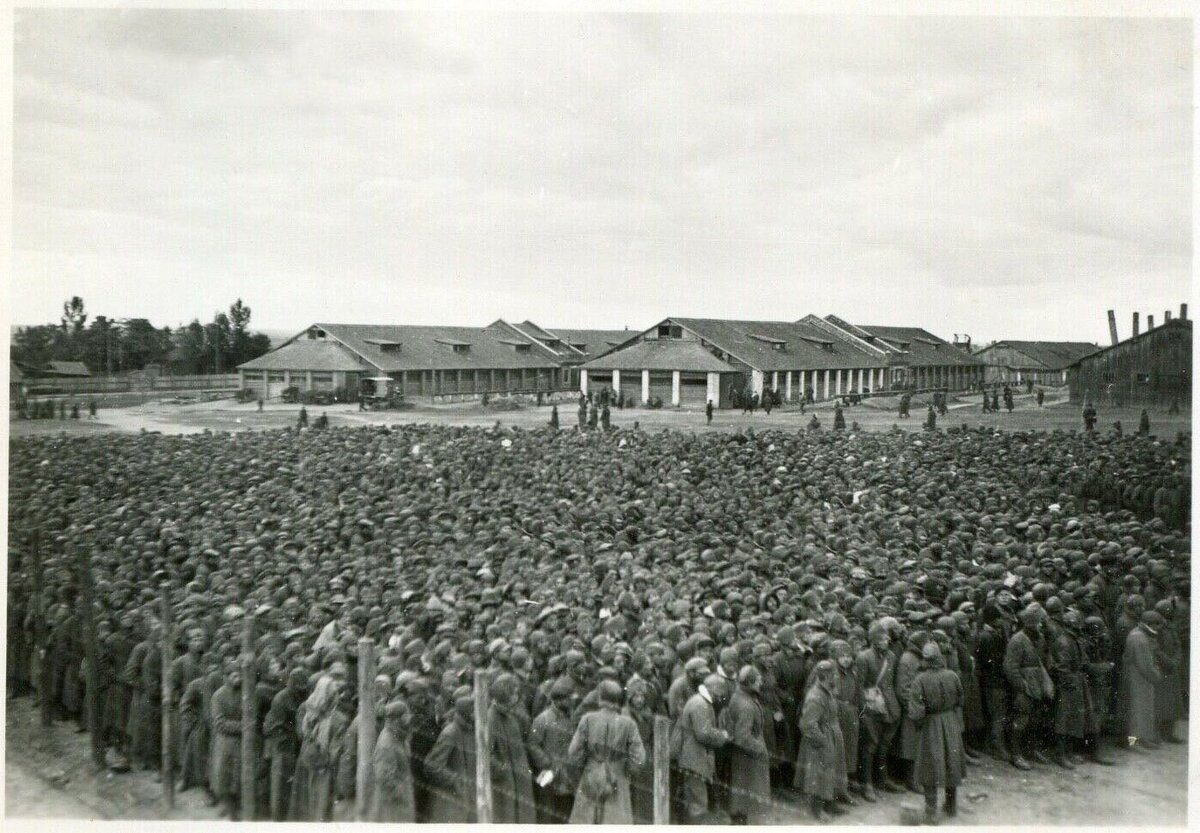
column 108, row 346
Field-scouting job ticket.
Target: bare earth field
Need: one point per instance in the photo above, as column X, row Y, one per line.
column 49, row 775
column 880, row 415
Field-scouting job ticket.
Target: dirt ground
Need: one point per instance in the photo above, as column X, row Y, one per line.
column 879, row 415
column 49, row 775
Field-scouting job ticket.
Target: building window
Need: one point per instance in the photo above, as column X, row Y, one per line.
column 462, row 348
column 670, row 331
column 522, row 348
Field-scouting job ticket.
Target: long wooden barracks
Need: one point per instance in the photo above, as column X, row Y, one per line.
column 690, row 361
column 443, row 363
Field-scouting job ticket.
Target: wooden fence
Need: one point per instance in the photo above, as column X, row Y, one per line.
column 130, row 384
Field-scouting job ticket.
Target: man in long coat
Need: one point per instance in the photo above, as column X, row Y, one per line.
column 694, row 739
column 875, row 666
column 392, row 784
column 1169, row 692
column 512, row 780
column 450, row 766
column 1026, row 672
column 605, row 748
column 821, row 768
column 1073, row 710
column 745, row 720
column 225, row 766
column 935, row 703
column 789, row 679
column 283, row 740
column 1139, row 677
column 549, row 742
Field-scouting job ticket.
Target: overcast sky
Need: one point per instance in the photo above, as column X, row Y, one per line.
column 1003, row 177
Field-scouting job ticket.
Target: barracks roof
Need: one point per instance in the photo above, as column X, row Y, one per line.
column 660, row 354
column 395, row 348
column 779, row 345
column 1051, row 355
column 923, row 347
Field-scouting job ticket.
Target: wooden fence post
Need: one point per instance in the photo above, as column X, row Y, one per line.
column 366, row 727
column 662, row 764
column 249, row 719
column 91, row 673
column 168, row 698
column 483, row 751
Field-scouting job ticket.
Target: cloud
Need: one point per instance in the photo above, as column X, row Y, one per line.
column 959, row 173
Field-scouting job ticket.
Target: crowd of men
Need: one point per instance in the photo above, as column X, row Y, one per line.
column 832, row 615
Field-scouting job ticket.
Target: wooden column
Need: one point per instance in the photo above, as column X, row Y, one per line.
column 662, row 760
column 366, row 727
column 168, row 697
column 483, row 751
column 249, row 719
column 91, row 673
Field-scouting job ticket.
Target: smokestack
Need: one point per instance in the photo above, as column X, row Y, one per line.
column 1136, row 328
column 1183, row 312
column 1166, row 316
column 1149, row 323
column 1112, row 326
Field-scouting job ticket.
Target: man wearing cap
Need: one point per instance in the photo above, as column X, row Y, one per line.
column 694, row 739
column 391, row 770
column 821, row 767
column 549, row 742
column 745, row 719
column 875, row 668
column 604, row 749
column 684, row 687
column 225, row 774
column 282, row 741
column 1025, row 670
column 1140, row 675
column 512, row 781
column 450, row 765
column 935, row 704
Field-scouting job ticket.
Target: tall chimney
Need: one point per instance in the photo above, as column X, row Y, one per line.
column 1183, row 312
column 1166, row 316
column 1136, row 328
column 1149, row 323
column 1112, row 326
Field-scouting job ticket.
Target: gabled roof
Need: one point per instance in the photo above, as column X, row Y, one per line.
column 320, row 355
column 595, row 341
column 432, row 348
column 924, row 348
column 1051, row 355
column 804, row 346
column 1179, row 323
column 660, row 355
column 529, row 333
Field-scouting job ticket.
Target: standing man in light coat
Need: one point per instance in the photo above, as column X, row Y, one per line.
column 1139, row 676
column 694, row 740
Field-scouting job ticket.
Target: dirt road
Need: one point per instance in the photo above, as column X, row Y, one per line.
column 227, row 415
